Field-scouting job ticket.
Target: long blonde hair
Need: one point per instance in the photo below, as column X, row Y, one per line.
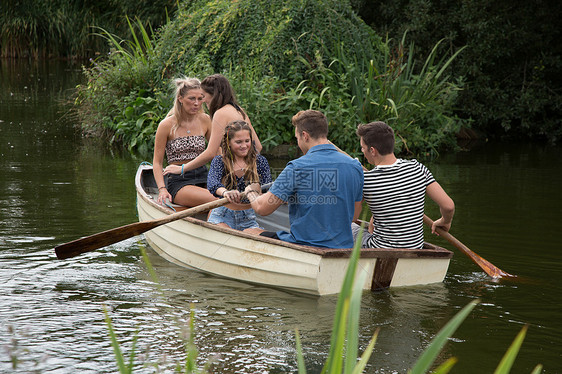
column 251, row 172
column 182, row 85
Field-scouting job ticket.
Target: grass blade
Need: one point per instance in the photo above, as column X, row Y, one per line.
column 446, row 367
column 300, row 356
column 334, row 362
column 507, row 361
column 115, row 344
column 366, row 355
column 353, row 321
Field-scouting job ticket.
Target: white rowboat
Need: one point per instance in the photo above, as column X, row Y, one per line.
column 194, row 243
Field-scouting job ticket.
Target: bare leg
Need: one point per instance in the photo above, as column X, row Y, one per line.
column 222, row 224
column 193, row 195
column 254, row 231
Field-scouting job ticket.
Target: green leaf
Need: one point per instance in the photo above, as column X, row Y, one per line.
column 366, row 355
column 114, row 343
column 506, row 363
column 129, row 112
column 337, row 344
column 300, row 356
column 537, row 369
column 446, row 367
column 351, row 349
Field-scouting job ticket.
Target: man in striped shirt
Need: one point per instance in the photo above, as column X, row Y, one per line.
column 395, row 191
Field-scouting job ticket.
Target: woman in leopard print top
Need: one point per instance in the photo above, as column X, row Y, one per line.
column 181, row 136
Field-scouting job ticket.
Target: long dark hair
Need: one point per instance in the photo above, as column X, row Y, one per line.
column 251, row 172
column 219, row 87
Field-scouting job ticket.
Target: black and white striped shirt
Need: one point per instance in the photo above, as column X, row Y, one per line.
column 396, row 195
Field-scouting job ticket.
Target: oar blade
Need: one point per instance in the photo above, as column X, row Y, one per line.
column 102, row 239
column 105, row 238
column 489, row 268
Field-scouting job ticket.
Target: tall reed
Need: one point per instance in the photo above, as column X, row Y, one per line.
column 417, row 101
column 46, row 29
column 121, row 95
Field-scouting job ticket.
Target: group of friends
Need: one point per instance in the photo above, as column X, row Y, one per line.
column 324, row 189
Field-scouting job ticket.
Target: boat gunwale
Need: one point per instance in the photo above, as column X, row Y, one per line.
column 429, row 251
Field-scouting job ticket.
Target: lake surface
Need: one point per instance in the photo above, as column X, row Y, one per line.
column 58, row 186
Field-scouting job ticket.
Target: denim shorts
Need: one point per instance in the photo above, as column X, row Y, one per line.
column 236, row 219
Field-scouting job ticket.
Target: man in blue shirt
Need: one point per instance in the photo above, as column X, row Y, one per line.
column 323, row 188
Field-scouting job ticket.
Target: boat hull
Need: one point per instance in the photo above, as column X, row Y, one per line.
column 196, row 244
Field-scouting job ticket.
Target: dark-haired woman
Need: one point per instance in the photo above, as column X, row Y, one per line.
column 230, row 173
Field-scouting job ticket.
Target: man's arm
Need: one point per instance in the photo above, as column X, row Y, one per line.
column 358, row 208
column 446, row 206
column 264, row 204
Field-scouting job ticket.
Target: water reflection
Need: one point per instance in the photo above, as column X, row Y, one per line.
column 247, row 335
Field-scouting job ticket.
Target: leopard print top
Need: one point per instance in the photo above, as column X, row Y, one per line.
column 184, row 148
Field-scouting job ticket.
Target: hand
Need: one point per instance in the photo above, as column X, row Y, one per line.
column 172, row 169
column 163, row 195
column 233, row 196
column 441, row 224
column 252, row 187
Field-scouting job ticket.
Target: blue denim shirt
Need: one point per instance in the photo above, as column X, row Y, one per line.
column 321, row 189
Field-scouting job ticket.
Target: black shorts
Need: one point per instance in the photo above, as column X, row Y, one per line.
column 196, row 177
column 269, row 234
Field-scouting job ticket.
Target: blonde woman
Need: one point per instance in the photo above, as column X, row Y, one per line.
column 182, row 137
column 230, row 173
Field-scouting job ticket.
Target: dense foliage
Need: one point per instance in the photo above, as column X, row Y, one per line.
column 262, row 37
column 63, row 28
column 282, row 57
column 511, row 64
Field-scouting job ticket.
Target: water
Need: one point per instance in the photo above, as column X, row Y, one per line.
column 57, row 186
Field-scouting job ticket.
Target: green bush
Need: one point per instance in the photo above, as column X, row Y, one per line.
column 281, row 57
column 120, row 88
column 261, row 36
column 417, row 103
column 511, row 63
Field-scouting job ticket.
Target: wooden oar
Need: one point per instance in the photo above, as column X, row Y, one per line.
column 490, row 269
column 105, row 238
